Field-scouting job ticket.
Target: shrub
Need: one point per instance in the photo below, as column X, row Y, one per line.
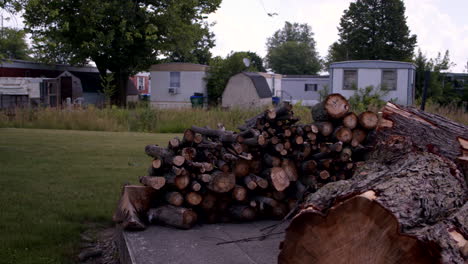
column 367, row 98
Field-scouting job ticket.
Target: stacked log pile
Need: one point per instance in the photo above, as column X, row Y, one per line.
column 212, row 175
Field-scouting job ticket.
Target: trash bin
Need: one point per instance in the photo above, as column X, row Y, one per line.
column 197, row 101
column 275, row 100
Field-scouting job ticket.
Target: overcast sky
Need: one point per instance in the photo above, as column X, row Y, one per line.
column 243, row 25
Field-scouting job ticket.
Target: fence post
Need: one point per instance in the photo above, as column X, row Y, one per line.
column 427, row 77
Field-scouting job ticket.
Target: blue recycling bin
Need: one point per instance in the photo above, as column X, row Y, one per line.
column 275, row 100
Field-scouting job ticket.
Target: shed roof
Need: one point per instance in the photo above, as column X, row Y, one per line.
column 373, row 64
column 260, row 84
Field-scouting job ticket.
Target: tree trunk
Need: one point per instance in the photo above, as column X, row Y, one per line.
column 436, row 133
column 122, row 88
column 400, row 207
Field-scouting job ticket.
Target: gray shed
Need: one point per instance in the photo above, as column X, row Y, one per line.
column 246, row 89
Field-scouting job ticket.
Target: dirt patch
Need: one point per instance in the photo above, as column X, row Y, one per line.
column 98, row 245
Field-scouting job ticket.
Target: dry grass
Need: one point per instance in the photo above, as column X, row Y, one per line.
column 452, row 112
column 141, row 119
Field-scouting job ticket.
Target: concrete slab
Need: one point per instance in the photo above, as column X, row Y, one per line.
column 159, row 244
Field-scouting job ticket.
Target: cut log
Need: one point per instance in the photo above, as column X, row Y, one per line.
column 242, row 212
column 153, row 182
column 157, row 163
column 222, row 165
column 343, row 134
column 134, row 202
column 271, row 161
column 239, row 193
column 188, row 136
column 324, row 175
column 195, row 186
column 250, row 182
column 241, row 168
column 325, row 128
column 334, row 106
column 262, row 183
column 222, row 182
column 193, row 198
column 209, row 201
column 178, row 217
column 174, row 198
column 309, row 166
column 350, row 120
column 188, row 153
column 263, row 201
column 368, row 120
column 206, row 178
column 179, row 171
column 290, row 169
column 198, row 138
column 278, row 177
column 280, row 211
column 359, row 136
column 174, row 143
column 180, row 182
column 178, row 160
column 346, row 154
column 156, row 151
column 223, row 136
column 401, row 206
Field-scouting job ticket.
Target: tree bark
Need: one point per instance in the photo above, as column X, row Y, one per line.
column 436, row 133
column 412, row 195
column 174, row 216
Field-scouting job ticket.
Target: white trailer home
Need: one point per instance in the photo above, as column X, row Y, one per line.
column 396, row 77
column 172, row 84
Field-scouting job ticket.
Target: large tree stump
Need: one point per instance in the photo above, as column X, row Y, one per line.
column 402, row 206
column 133, row 205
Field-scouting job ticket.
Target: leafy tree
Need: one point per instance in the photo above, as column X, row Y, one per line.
column 222, row 69
column 293, row 58
column 373, row 30
column 291, row 50
column 13, row 45
column 120, row 36
column 199, row 52
column 11, row 6
column 438, row 90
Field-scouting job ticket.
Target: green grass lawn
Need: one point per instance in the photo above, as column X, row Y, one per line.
column 54, row 181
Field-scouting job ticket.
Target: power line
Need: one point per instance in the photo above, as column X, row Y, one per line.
column 269, row 14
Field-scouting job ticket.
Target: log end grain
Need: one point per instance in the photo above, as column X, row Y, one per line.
column 308, row 237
